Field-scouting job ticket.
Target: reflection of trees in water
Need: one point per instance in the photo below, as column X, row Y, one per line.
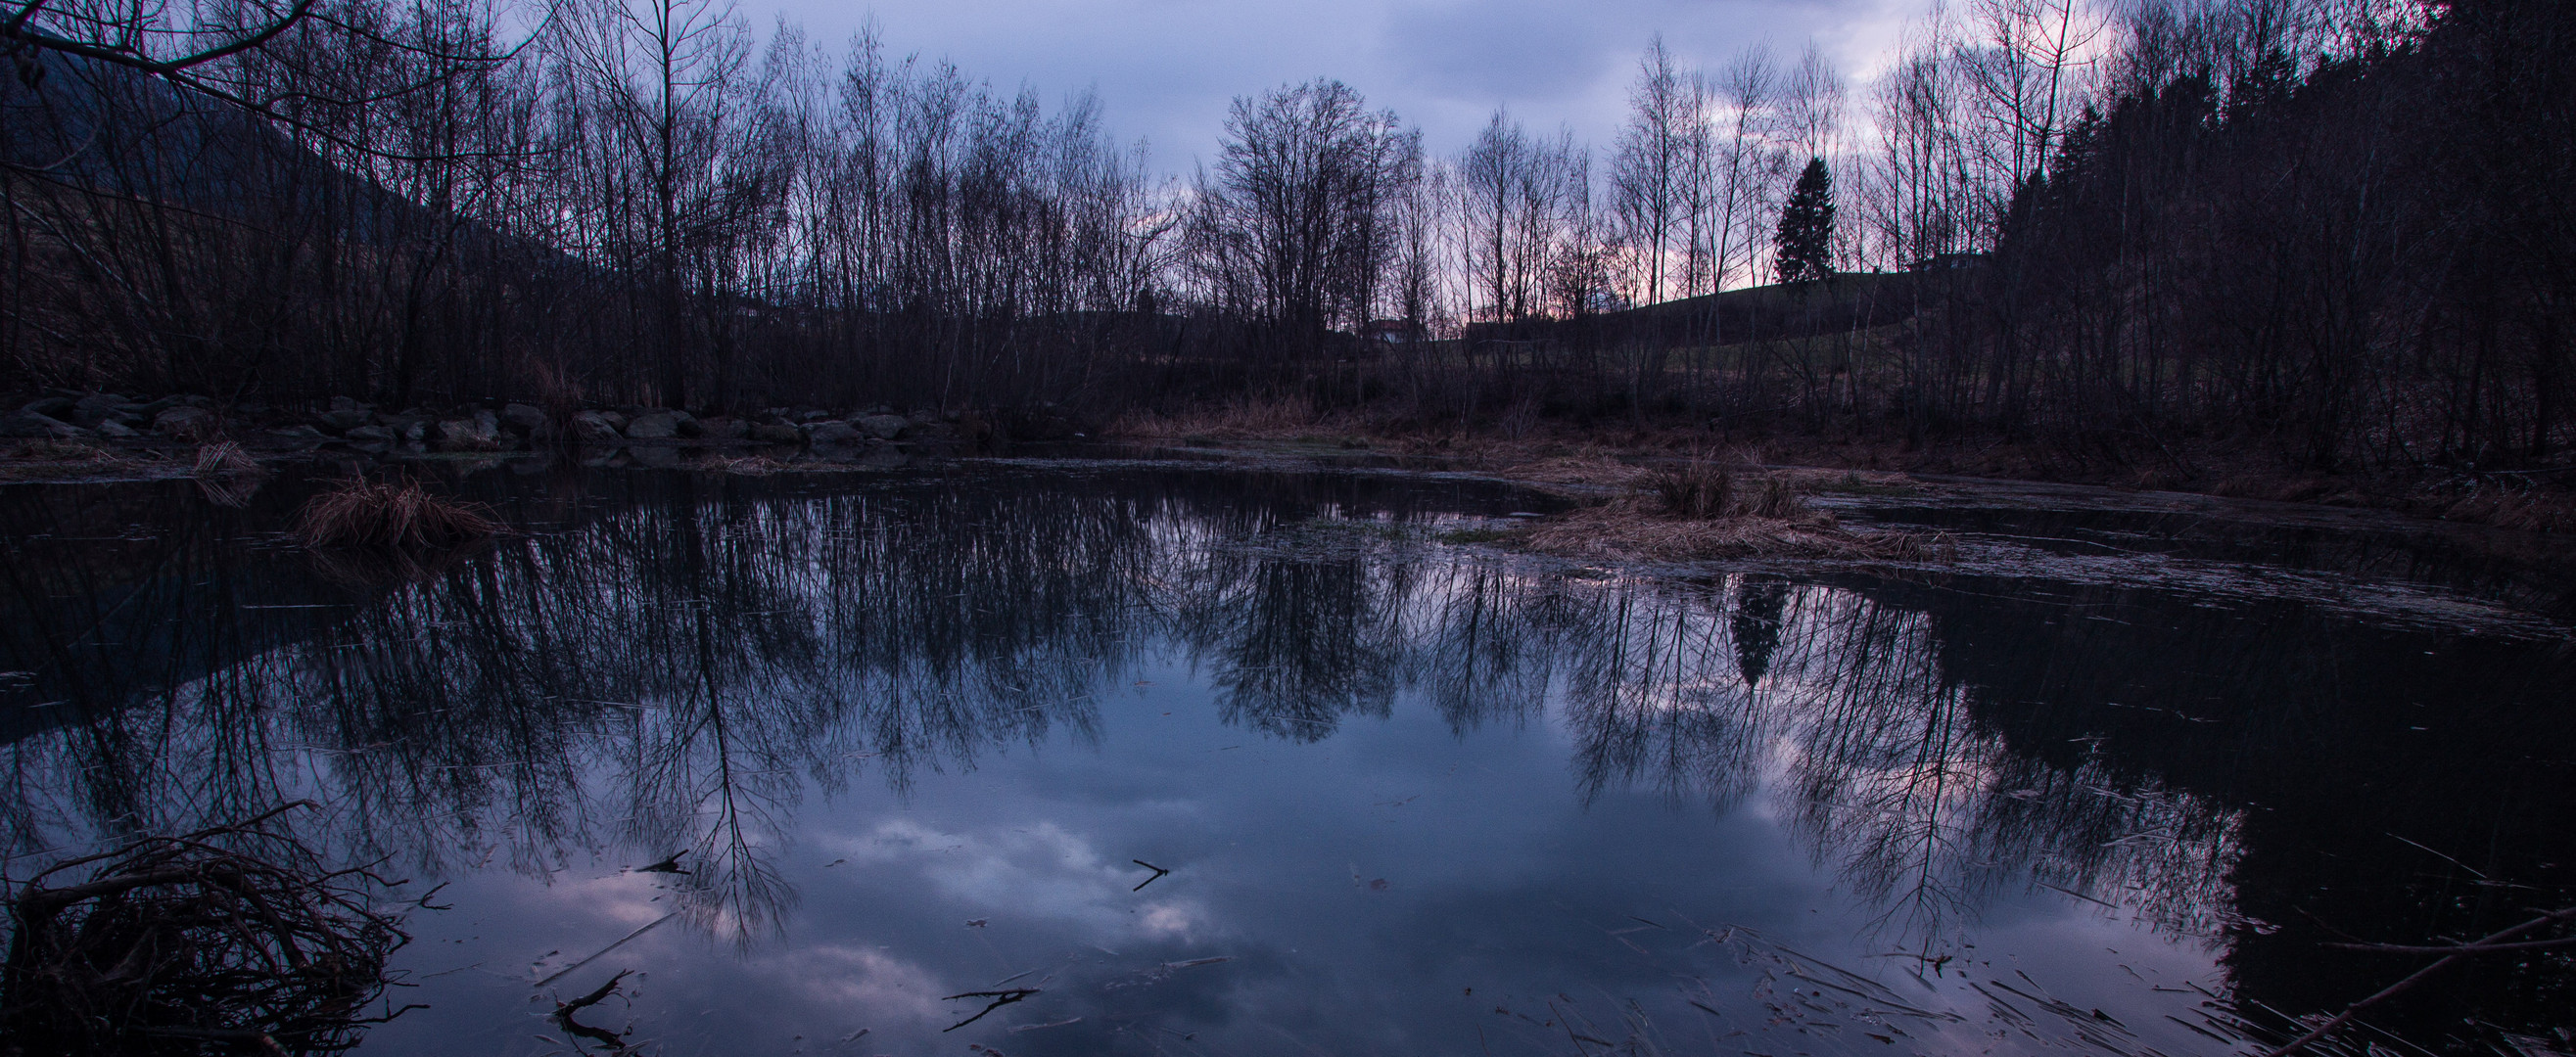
column 671, row 674
column 1297, row 644
column 710, row 655
column 1652, row 694
column 1707, row 690
column 1841, row 707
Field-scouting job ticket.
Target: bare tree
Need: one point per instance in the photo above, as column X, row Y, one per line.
column 1294, row 226
column 1654, row 164
column 1748, row 170
column 1515, row 190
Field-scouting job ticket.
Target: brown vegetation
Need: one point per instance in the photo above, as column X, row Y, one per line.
column 227, row 475
column 1702, row 508
column 389, row 516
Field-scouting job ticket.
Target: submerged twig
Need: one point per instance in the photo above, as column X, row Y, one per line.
column 1000, row 999
column 564, row 1011
column 646, row 927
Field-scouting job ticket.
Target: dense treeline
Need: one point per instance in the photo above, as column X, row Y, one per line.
column 624, row 204
column 2352, row 250
column 2331, row 229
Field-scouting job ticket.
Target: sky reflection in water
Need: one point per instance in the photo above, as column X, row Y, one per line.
column 1418, row 798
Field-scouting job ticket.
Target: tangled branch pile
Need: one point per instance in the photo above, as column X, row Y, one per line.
column 393, row 516
column 228, row 940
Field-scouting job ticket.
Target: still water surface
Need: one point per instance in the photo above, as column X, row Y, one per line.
column 2108, row 783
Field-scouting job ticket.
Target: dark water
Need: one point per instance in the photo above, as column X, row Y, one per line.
column 2110, row 783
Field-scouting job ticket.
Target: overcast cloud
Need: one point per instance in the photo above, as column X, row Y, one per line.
column 1166, row 69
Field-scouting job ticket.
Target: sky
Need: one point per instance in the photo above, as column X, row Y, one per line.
column 1166, row 69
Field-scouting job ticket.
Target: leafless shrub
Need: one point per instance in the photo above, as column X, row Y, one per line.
column 235, row 939
column 389, row 516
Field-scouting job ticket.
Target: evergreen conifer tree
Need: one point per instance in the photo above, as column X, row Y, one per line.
column 1806, row 240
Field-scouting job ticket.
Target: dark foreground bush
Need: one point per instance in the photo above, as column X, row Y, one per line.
column 227, row 940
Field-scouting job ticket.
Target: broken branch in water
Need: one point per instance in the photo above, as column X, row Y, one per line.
column 646, row 927
column 2492, row 942
column 670, row 865
column 1000, row 999
column 1158, row 874
column 564, row 1010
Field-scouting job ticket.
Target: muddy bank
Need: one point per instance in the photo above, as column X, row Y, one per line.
column 2537, row 501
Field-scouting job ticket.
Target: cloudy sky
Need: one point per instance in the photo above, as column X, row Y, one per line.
column 1167, row 68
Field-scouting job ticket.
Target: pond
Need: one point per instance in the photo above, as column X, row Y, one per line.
column 1207, row 759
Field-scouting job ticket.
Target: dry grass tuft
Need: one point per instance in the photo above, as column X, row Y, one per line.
column 1695, row 489
column 1704, row 509
column 224, row 458
column 228, row 475
column 1591, row 470
column 390, row 516
column 1634, row 529
column 743, row 465
column 1705, row 489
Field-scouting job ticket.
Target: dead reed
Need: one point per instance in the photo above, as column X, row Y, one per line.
column 225, row 458
column 226, row 474
column 234, row 939
column 391, row 516
column 746, row 465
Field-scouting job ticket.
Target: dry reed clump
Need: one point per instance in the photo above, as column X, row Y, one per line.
column 1630, row 529
column 234, row 939
column 1588, row 470
column 1702, row 509
column 390, row 516
column 225, row 458
column 226, row 474
column 745, row 465
column 1705, row 489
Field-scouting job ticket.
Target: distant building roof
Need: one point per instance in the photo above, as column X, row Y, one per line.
column 1946, row 261
column 1387, row 330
